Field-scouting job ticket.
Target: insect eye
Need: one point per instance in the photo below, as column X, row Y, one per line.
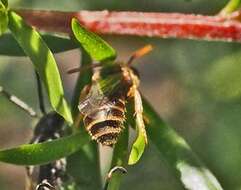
column 49, row 124
column 110, row 70
column 135, row 72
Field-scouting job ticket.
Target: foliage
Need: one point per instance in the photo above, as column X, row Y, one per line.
column 43, row 60
column 187, row 168
column 36, row 154
column 231, row 6
column 98, row 49
column 3, row 18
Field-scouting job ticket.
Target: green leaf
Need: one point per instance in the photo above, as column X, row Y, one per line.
column 5, row 3
column 137, row 149
column 231, row 6
column 188, row 169
column 97, row 48
column 57, row 44
column 138, row 146
column 43, row 60
column 3, row 18
column 35, row 154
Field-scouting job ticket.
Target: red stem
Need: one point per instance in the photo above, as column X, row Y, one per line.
column 163, row 25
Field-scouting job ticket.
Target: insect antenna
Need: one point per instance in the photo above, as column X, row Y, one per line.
column 83, row 68
column 21, row 104
column 139, row 53
column 40, row 94
column 111, row 172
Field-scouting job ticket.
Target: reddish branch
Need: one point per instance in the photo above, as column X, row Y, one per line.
column 163, row 25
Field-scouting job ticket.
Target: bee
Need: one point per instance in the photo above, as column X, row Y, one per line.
column 103, row 102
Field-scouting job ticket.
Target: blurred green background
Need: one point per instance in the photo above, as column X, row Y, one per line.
column 194, row 85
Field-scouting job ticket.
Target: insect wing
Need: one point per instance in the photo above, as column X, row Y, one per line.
column 100, row 94
column 93, row 99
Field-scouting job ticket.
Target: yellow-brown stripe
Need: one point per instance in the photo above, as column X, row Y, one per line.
column 106, row 123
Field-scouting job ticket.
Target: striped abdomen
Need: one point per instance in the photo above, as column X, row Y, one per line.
column 106, row 122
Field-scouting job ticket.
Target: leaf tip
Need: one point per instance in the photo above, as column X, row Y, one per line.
column 74, row 22
column 136, row 151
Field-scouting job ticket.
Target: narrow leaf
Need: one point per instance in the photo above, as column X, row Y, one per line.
column 231, row 6
column 57, row 44
column 137, row 149
column 188, row 169
column 3, row 18
column 5, row 3
column 97, row 48
column 43, row 60
column 139, row 145
column 35, row 154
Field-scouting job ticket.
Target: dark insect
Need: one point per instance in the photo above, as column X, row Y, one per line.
column 50, row 126
column 52, row 175
column 103, row 102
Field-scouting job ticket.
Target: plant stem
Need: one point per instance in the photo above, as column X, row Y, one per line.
column 120, row 158
column 84, row 164
column 162, row 25
column 40, row 94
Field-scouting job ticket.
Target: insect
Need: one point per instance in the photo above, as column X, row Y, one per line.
column 103, row 102
column 52, row 175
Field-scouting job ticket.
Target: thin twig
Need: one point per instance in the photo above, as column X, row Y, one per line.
column 40, row 94
column 16, row 101
column 163, row 25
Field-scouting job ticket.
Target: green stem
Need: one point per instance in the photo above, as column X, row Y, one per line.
column 84, row 164
column 231, row 6
column 120, row 158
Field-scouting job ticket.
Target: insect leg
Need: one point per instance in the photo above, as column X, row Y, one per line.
column 83, row 68
column 84, row 92
column 21, row 104
column 29, row 184
column 139, row 114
